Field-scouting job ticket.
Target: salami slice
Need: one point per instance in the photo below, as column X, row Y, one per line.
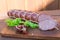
column 22, row 15
column 28, row 16
column 34, row 17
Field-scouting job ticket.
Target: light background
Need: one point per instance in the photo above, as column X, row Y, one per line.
column 32, row 5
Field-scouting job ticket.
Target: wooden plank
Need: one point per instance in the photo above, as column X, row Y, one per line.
column 16, row 4
column 51, row 12
column 3, row 6
column 10, row 33
column 59, row 4
column 53, row 5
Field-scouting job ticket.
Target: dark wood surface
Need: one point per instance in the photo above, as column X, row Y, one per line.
column 33, row 33
column 53, row 6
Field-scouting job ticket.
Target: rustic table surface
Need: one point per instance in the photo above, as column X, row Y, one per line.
column 33, row 33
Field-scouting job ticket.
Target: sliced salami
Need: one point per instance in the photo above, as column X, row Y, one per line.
column 28, row 16
column 22, row 15
column 45, row 21
column 34, row 17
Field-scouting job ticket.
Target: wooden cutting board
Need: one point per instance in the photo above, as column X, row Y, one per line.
column 32, row 33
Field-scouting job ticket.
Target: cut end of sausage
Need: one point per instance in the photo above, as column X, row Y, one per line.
column 46, row 22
